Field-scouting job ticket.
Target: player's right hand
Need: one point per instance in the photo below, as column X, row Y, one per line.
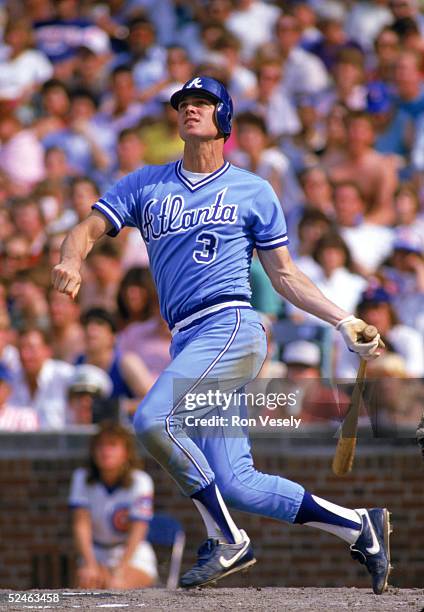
column 66, row 278
column 351, row 329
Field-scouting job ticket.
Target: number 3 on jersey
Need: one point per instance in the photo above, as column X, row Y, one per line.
column 209, row 242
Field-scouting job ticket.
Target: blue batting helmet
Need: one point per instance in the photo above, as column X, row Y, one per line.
column 214, row 91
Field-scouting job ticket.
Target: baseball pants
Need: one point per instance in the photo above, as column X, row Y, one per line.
column 225, row 351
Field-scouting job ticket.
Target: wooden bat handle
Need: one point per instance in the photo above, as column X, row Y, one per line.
column 345, row 450
column 369, row 333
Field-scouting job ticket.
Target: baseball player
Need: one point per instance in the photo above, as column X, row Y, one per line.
column 201, row 218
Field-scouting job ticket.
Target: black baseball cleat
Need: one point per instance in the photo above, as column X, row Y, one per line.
column 217, row 560
column 372, row 546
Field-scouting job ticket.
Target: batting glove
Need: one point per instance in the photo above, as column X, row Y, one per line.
column 351, row 329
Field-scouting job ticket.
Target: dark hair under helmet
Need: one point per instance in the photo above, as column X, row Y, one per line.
column 212, row 90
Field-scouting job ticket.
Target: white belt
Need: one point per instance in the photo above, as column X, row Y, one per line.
column 206, row 311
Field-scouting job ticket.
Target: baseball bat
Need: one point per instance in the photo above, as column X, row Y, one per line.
column 346, row 445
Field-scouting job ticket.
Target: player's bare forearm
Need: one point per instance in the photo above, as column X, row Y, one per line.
column 80, row 240
column 78, row 243
column 290, row 282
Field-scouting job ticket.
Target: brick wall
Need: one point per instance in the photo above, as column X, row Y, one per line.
column 35, row 544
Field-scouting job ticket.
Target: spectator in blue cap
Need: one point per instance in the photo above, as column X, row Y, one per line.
column 393, row 127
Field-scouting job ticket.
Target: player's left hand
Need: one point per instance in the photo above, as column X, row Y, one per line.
column 351, row 329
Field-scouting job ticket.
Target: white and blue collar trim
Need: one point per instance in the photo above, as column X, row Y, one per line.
column 195, row 186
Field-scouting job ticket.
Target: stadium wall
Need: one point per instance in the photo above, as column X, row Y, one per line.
column 36, row 547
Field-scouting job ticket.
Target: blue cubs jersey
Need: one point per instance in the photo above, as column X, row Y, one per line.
column 199, row 236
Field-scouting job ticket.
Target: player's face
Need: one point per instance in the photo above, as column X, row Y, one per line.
column 196, row 119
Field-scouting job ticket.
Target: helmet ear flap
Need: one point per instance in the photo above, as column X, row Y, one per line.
column 218, row 110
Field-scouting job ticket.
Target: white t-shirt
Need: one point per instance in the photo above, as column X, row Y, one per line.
column 369, row 244
column 365, row 20
column 112, row 509
column 50, row 399
column 31, row 67
column 279, row 112
column 304, row 73
column 253, row 26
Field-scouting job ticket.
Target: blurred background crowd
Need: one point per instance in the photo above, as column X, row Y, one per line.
column 329, row 101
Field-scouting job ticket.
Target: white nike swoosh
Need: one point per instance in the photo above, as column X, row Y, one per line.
column 375, row 548
column 228, row 562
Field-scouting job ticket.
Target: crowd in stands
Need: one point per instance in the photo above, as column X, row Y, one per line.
column 329, row 108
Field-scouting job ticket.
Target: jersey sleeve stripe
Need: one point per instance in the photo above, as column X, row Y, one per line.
column 272, row 242
column 109, row 213
column 112, row 210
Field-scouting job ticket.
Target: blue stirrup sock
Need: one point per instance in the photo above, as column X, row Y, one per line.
column 322, row 514
column 216, row 517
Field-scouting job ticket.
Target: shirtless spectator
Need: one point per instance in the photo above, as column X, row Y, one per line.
column 374, row 173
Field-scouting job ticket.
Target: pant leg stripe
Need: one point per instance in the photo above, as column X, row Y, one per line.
column 199, row 380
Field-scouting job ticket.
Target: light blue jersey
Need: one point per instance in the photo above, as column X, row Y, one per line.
column 199, row 237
